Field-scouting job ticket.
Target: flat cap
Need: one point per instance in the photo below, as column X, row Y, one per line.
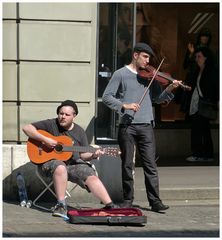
column 143, row 47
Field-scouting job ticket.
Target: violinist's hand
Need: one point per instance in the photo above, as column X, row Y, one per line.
column 131, row 106
column 173, row 85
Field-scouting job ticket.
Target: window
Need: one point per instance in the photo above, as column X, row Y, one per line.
column 167, row 28
column 115, row 46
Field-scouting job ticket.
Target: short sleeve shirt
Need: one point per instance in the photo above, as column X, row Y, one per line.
column 77, row 133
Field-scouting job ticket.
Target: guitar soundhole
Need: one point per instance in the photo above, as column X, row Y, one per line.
column 58, row 148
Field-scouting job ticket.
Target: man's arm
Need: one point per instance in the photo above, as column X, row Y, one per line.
column 109, row 95
column 33, row 133
column 167, row 95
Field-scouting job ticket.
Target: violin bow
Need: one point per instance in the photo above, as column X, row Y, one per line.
column 147, row 88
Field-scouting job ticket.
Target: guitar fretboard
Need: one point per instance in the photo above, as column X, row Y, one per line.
column 78, row 149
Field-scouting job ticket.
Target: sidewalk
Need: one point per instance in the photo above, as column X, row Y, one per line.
column 192, row 193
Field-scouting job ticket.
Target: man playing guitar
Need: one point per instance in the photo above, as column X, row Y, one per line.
column 76, row 169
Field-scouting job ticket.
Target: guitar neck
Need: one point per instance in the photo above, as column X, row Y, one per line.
column 78, row 149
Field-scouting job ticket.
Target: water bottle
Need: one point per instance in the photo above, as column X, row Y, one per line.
column 22, row 190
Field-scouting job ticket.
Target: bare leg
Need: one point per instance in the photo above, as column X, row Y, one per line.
column 98, row 189
column 60, row 179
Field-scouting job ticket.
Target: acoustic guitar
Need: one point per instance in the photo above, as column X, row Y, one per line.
column 39, row 153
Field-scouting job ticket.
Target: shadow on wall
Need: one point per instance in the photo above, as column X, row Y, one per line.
column 108, row 168
column 90, row 132
column 109, row 171
column 33, row 184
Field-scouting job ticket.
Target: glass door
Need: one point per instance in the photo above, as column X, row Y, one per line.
column 123, row 24
column 115, row 46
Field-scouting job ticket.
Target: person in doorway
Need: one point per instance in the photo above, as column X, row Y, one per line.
column 124, row 52
column 77, row 169
column 204, row 38
column 206, row 87
column 123, row 94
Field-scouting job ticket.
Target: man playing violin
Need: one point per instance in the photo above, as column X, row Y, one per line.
column 123, row 94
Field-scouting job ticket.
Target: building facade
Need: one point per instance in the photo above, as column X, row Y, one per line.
column 63, row 50
column 49, row 55
column 57, row 51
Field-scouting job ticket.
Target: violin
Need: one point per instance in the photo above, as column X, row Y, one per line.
column 149, row 71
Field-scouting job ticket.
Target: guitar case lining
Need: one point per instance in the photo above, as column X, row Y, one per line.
column 114, row 216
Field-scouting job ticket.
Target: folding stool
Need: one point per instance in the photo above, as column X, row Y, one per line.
column 48, row 188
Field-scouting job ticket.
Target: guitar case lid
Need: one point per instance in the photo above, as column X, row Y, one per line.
column 114, row 216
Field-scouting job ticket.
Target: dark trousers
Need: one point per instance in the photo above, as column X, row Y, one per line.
column 201, row 140
column 143, row 137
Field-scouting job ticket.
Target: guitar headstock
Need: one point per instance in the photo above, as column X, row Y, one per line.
column 115, row 152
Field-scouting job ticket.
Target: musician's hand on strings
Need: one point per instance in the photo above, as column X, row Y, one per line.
column 131, row 106
column 175, row 84
column 49, row 142
column 88, row 156
column 97, row 153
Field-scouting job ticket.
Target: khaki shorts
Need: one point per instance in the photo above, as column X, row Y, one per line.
column 77, row 172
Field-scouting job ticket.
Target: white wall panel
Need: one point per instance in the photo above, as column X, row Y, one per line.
column 60, row 41
column 58, row 11
column 10, row 81
column 32, row 112
column 9, row 40
column 54, row 82
column 9, row 121
column 54, row 41
column 9, row 10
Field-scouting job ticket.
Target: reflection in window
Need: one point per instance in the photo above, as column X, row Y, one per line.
column 149, row 29
column 165, row 28
column 124, row 34
column 115, row 49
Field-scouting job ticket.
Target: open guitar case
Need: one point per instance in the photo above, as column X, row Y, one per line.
column 108, row 167
column 114, row 216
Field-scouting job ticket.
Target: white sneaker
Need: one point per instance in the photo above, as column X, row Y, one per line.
column 199, row 159
column 192, row 159
column 208, row 159
column 60, row 210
